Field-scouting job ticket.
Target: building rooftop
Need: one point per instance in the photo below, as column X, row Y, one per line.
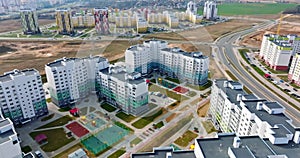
column 231, row 93
column 4, row 137
column 121, row 75
column 8, row 76
column 197, row 55
column 273, row 105
column 59, row 62
column 4, row 122
column 281, row 131
column 163, row 152
column 242, row 152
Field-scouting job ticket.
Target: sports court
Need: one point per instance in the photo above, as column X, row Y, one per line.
column 104, row 139
column 181, row 90
column 95, row 124
column 77, row 129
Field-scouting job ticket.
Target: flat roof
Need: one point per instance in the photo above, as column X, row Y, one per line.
column 231, row 93
column 4, row 137
column 291, row 150
column 218, row 147
column 121, row 76
column 281, row 131
column 273, row 105
column 197, row 55
column 4, row 122
column 242, row 152
column 7, row 76
column 161, row 153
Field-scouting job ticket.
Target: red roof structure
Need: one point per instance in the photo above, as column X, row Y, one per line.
column 74, row 111
column 40, row 138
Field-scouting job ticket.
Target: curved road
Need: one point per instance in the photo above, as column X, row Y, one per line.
column 225, row 46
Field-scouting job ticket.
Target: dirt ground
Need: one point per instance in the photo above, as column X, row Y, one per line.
column 255, row 39
column 21, row 55
column 15, row 24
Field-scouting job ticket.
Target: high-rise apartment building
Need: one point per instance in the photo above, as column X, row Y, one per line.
column 127, row 91
column 83, row 20
column 29, row 21
column 294, row 72
column 71, row 79
column 101, row 20
column 233, row 110
column 277, row 51
column 210, row 10
column 9, row 143
column 64, row 21
column 22, row 97
column 155, row 55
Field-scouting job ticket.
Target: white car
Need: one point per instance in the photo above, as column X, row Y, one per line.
column 38, row 154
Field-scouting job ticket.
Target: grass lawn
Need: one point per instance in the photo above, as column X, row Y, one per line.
column 191, row 94
column 135, row 141
column 242, row 53
column 231, row 75
column 209, row 127
column 175, row 80
column 46, row 118
column 144, row 121
column 58, row 122
column 48, row 100
column 125, row 117
column 83, row 111
column 200, row 88
column 68, row 151
column 92, row 109
column 66, row 109
column 108, row 107
column 159, row 125
column 118, row 153
column 56, row 139
column 252, row 8
column 26, row 149
column 186, row 138
column 123, row 126
column 169, row 93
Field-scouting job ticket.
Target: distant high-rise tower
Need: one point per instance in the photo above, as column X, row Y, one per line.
column 101, row 20
column 210, row 11
column 29, row 21
column 191, row 7
column 64, row 22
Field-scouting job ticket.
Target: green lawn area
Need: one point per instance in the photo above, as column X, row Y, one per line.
column 58, row 122
column 175, row 80
column 47, row 117
column 259, row 71
column 135, row 141
column 118, row 153
column 56, row 139
column 200, row 88
column 123, row 126
column 68, row 151
column 191, row 93
column 186, row 138
column 231, row 75
column 169, row 93
column 252, row 8
column 108, row 107
column 66, row 109
column 159, row 125
column 144, row 121
column 209, row 127
column 26, row 149
column 48, row 100
column 242, row 53
column 125, row 117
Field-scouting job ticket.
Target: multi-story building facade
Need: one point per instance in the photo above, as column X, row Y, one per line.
column 71, row 79
column 210, row 10
column 233, row 110
column 9, row 143
column 83, row 20
column 294, row 72
column 277, row 51
column 127, row 91
column 101, row 20
column 141, row 25
column 29, row 21
column 22, row 97
column 64, row 21
column 155, row 55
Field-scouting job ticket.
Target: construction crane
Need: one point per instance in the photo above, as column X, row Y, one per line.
column 279, row 24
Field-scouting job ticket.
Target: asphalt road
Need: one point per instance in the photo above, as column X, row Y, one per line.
column 226, row 48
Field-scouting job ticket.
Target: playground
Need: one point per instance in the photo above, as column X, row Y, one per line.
column 77, row 129
column 165, row 83
column 104, row 139
column 92, row 121
column 181, row 90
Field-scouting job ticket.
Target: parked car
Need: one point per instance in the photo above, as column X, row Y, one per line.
column 287, row 90
column 287, row 84
column 38, row 154
column 295, row 89
column 281, row 81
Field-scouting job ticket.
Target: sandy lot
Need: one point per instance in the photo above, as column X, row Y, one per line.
column 21, row 55
column 13, row 25
column 255, row 39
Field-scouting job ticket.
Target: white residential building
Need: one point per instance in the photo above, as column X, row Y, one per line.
column 9, row 143
column 210, row 10
column 155, row 55
column 70, row 79
column 232, row 110
column 127, row 91
column 294, row 72
column 277, row 51
column 22, row 97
